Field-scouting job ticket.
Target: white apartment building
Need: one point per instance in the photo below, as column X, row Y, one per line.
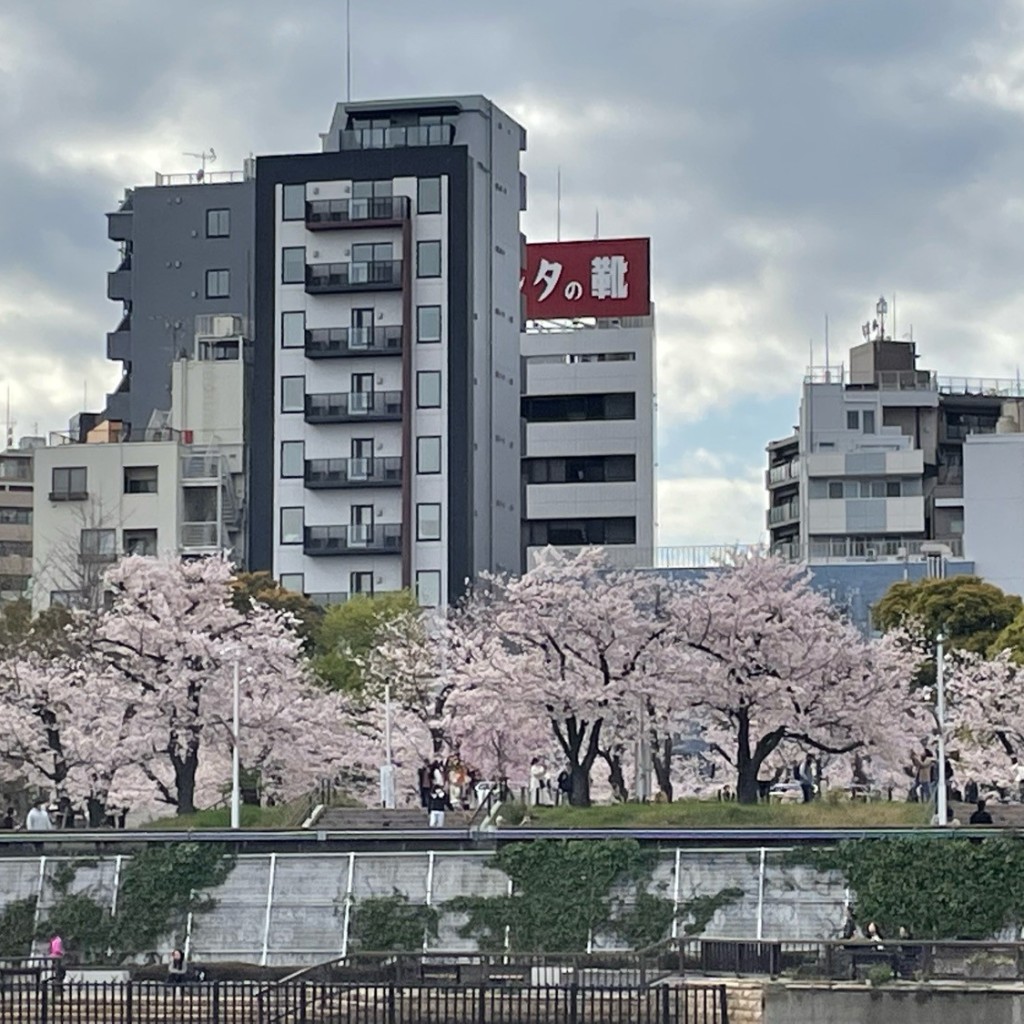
column 588, row 465
column 387, row 352
column 175, row 488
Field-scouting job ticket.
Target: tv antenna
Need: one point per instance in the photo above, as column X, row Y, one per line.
column 208, row 157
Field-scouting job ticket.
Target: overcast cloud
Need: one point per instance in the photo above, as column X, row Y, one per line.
column 789, row 158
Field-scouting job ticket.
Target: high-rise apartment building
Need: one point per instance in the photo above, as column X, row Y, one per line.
column 16, row 473
column 385, row 429
column 588, row 400
column 874, row 470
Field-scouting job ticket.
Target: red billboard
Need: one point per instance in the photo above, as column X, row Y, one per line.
column 606, row 277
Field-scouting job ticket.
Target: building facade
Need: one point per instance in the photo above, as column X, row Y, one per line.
column 874, row 470
column 186, row 253
column 386, row 451
column 588, row 460
column 16, row 482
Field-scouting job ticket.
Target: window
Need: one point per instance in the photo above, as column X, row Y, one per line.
column 428, row 588
column 218, row 284
column 140, row 479
column 293, row 522
column 428, row 389
column 852, row 419
column 67, row 599
column 18, row 548
column 428, row 455
column 293, row 202
column 835, row 488
column 868, row 421
column 378, row 189
column 572, row 532
column 98, row 545
column 580, row 469
column 372, row 252
column 17, row 516
column 892, row 489
column 428, row 259
column 293, row 394
column 360, row 583
column 140, row 542
column 294, row 582
column 218, row 223
column 293, row 264
column 428, row 324
column 68, row 484
column 293, row 330
column 572, row 408
column 428, row 521
column 293, row 458
column 428, row 195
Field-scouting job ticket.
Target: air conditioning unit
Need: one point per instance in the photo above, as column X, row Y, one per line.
column 359, row 337
column 359, row 403
column 358, row 469
column 359, row 535
column 225, row 326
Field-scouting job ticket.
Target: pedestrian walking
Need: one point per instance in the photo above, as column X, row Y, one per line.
column 37, row 819
column 436, row 805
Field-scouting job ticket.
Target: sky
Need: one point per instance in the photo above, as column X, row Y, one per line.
column 789, row 159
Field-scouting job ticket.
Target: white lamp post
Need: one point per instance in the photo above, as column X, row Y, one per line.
column 387, row 770
column 940, row 716
column 236, row 764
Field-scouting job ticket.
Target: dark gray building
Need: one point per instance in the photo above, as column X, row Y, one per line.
column 186, row 252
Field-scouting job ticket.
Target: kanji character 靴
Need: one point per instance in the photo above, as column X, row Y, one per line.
column 549, row 272
column 608, row 277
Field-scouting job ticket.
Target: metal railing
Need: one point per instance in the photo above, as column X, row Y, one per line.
column 327, row 342
column 200, row 535
column 330, row 213
column 200, row 178
column 352, row 406
column 1001, row 387
column 370, row 472
column 783, row 513
column 382, row 538
column 398, row 137
column 365, row 276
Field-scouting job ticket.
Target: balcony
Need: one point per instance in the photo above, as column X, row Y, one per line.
column 340, row 342
column 398, row 137
column 327, row 474
column 200, row 537
column 785, row 473
column 384, row 539
column 374, row 276
column 119, row 285
column 378, row 211
column 785, row 513
column 354, row 407
column 119, row 341
column 326, row 598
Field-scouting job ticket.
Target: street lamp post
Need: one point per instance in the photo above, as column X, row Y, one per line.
column 387, row 771
column 236, row 764
column 940, row 715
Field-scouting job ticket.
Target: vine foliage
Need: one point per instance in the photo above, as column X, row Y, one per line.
column 936, row 888
column 387, row 924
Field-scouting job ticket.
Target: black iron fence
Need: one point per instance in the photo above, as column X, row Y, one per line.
column 248, row 1003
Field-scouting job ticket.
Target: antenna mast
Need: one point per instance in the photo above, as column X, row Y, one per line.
column 558, row 206
column 348, row 51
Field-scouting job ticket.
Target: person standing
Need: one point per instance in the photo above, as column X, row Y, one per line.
column 9, row 822
column 805, row 776
column 436, row 805
column 424, row 780
column 56, row 953
column 980, row 816
column 923, row 768
column 37, row 819
column 538, row 780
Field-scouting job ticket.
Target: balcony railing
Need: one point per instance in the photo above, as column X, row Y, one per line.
column 398, row 137
column 354, row 406
column 375, row 275
column 383, row 539
column 783, row 474
column 326, row 598
column 322, row 474
column 783, row 513
column 326, row 214
column 871, row 549
column 200, row 536
column 339, row 342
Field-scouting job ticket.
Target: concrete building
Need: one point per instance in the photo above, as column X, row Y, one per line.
column 385, row 442
column 16, row 473
column 176, row 488
column 588, row 462
column 874, row 470
column 186, row 252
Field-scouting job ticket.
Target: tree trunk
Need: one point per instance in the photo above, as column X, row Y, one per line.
column 580, row 794
column 661, row 759
column 570, row 734
column 748, row 764
column 185, row 782
column 96, row 811
column 616, row 776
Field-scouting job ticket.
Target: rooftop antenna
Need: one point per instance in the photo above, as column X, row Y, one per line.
column 209, row 157
column 881, row 308
column 826, row 348
column 10, row 422
column 348, row 51
column 597, row 223
column 894, row 334
column 558, row 205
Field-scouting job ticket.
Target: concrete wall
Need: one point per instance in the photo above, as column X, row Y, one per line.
column 912, row 1005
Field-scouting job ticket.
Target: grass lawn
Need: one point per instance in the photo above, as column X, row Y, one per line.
column 282, row 816
column 714, row 814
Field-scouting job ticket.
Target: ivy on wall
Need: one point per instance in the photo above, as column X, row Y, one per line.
column 388, row 924
column 936, row 888
column 17, row 921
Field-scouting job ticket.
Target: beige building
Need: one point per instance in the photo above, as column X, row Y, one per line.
column 15, row 523
column 174, row 488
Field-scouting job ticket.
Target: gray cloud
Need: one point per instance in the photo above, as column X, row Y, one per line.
column 788, row 158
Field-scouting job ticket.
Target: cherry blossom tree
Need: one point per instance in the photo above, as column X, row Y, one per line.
column 770, row 668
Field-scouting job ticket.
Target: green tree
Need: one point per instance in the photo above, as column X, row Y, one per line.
column 969, row 612
column 261, row 586
column 349, row 632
